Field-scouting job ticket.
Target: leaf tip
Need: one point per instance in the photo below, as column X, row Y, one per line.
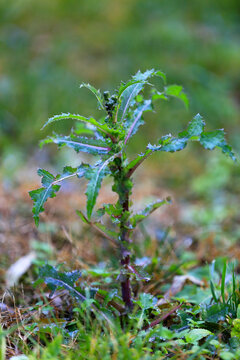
column 36, row 220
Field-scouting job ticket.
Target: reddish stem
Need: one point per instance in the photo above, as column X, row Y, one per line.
column 124, row 251
column 159, row 320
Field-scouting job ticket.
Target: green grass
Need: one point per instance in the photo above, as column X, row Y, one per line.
column 204, row 329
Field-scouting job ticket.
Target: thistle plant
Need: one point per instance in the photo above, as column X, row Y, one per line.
column 107, row 138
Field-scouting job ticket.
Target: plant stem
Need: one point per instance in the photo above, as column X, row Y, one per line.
column 125, row 260
column 124, row 240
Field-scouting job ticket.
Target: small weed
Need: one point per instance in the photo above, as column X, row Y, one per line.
column 107, row 138
column 135, row 325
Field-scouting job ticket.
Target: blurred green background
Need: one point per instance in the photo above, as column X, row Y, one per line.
column 49, row 47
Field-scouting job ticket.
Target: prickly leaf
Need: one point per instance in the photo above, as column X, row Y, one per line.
column 146, row 301
column 172, row 144
column 133, row 165
column 40, row 196
column 54, row 279
column 139, row 76
column 196, row 126
column 135, row 120
column 128, row 96
column 78, row 143
column 129, row 91
column 51, row 187
column 194, row 132
column 212, row 139
column 101, row 227
column 140, row 216
column 96, row 92
column 101, row 127
column 108, row 232
column 95, row 176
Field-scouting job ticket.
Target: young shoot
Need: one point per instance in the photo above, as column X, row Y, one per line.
column 107, row 138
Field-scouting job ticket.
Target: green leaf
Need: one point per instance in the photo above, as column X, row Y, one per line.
column 227, row 355
column 169, row 143
column 196, row 126
column 128, row 92
column 103, row 127
column 51, row 187
column 160, row 74
column 158, row 95
column 236, row 326
column 124, row 86
column 40, row 196
column 140, row 216
column 127, row 98
column 54, row 279
column 133, row 165
column 177, row 91
column 49, row 271
column 146, row 301
column 215, row 313
column 95, row 176
column 83, row 217
column 69, row 171
column 196, row 334
column 84, row 144
column 139, row 76
column 172, row 144
column 84, row 129
column 212, row 139
column 99, row 272
column 194, row 132
column 96, row 92
column 135, row 120
column 105, row 231
column 114, row 211
column 110, row 233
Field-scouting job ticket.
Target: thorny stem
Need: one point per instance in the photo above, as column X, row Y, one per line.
column 124, row 242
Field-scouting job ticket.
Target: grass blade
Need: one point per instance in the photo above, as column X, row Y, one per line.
column 223, row 281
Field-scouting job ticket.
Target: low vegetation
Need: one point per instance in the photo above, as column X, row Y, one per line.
column 126, row 304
